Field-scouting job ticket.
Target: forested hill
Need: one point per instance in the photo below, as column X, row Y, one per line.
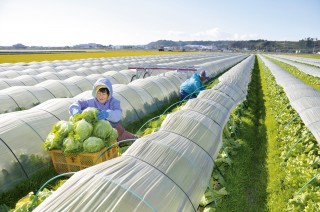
column 305, row 45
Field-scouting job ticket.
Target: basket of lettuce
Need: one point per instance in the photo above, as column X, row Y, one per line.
column 80, row 142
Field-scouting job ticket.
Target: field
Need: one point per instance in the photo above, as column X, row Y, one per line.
column 50, row 56
column 254, row 170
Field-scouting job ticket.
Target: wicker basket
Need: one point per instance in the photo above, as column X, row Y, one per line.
column 75, row 162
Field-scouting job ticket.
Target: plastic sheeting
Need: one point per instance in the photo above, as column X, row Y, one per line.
column 6, row 83
column 29, row 80
column 217, row 67
column 9, row 74
column 122, row 77
column 309, row 61
column 308, row 69
column 57, row 109
column 186, row 62
column 167, row 170
column 303, row 98
column 23, row 153
column 22, row 158
column 169, row 90
column 143, row 102
column 24, row 97
column 160, row 93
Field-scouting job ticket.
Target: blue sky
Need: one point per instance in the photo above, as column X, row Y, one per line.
column 139, row 22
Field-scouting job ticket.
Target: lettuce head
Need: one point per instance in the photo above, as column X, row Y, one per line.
column 53, row 141
column 71, row 146
column 93, row 144
column 90, row 114
column 113, row 136
column 62, row 128
column 82, row 130
column 102, row 129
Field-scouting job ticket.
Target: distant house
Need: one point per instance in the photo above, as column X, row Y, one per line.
column 200, row 47
column 90, row 46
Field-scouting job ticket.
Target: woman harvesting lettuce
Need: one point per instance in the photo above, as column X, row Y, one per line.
column 108, row 106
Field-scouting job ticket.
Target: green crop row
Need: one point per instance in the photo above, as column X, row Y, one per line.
column 293, row 153
column 244, row 144
column 273, row 162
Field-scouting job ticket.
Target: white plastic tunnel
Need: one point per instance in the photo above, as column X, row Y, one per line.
column 34, row 124
column 21, row 139
column 165, row 171
column 24, row 97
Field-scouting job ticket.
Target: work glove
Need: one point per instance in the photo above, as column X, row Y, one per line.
column 103, row 114
column 75, row 111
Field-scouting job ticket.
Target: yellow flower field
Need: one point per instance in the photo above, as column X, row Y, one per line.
column 50, row 56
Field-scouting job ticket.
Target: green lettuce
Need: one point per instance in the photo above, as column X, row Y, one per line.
column 62, row 128
column 93, row 144
column 71, row 146
column 82, row 130
column 113, row 136
column 59, row 131
column 53, row 141
column 90, row 114
column 102, row 129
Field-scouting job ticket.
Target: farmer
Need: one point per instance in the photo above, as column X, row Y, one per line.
column 192, row 86
column 108, row 106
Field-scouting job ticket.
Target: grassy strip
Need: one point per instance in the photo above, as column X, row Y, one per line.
column 24, row 57
column 306, row 78
column 246, row 178
column 275, row 173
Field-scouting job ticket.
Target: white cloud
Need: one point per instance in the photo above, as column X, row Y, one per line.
column 176, row 33
column 218, row 34
column 211, row 34
column 237, row 36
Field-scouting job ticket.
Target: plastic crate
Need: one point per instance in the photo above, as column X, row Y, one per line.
column 75, row 162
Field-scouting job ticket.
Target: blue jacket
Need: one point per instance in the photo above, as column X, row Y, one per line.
column 112, row 105
column 193, row 84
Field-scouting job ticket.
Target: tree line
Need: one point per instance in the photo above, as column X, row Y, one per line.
column 307, row 45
